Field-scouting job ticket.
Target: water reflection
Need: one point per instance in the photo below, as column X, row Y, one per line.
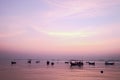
column 76, row 67
column 59, row 71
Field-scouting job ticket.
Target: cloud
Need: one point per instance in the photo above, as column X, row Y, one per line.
column 98, row 31
column 79, row 8
column 55, row 33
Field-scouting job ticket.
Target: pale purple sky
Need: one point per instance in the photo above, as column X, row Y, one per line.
column 60, row 26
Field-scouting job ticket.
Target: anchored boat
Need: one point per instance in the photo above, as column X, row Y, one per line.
column 76, row 63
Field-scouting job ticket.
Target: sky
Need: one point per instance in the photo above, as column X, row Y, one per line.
column 60, row 27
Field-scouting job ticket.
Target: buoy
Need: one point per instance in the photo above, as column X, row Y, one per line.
column 48, row 62
column 101, row 71
column 52, row 63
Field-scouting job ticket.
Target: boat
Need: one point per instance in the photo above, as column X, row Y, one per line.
column 109, row 63
column 13, row 62
column 91, row 63
column 37, row 61
column 29, row 61
column 76, row 63
column 66, row 62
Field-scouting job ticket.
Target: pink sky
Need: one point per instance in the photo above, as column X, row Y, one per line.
column 60, row 26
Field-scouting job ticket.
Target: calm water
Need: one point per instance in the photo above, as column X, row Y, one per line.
column 60, row 71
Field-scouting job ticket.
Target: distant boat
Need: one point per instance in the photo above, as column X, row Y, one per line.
column 29, row 61
column 66, row 62
column 48, row 62
column 91, row 63
column 109, row 63
column 76, row 63
column 52, row 63
column 13, row 62
column 37, row 61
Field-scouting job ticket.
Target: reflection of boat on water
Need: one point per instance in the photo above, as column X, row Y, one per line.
column 109, row 63
column 76, row 63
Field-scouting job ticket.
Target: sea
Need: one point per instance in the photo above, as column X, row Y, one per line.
column 59, row 71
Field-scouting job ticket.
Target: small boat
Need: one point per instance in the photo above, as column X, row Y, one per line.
column 48, row 62
column 13, row 62
column 37, row 61
column 91, row 63
column 109, row 63
column 52, row 63
column 76, row 63
column 29, row 61
column 66, row 62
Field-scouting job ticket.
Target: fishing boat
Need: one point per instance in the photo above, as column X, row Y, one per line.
column 91, row 63
column 76, row 62
column 109, row 63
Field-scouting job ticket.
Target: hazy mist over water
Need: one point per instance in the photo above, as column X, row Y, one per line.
column 18, row 55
